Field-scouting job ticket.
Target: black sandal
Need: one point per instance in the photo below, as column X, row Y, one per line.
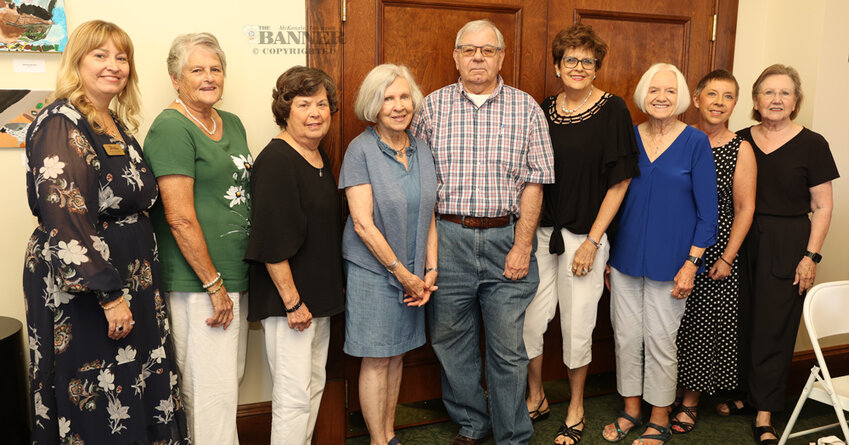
column 570, row 432
column 759, row 431
column 684, row 427
column 620, row 433
column 733, row 410
column 663, row 434
column 537, row 415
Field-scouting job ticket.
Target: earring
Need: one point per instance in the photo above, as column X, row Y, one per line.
column 593, row 76
column 557, row 74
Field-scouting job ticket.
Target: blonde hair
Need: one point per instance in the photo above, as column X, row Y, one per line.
column 642, row 89
column 778, row 70
column 370, row 97
column 86, row 38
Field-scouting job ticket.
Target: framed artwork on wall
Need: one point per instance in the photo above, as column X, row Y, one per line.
column 33, row 25
column 18, row 109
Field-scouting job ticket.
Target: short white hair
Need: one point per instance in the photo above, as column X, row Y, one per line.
column 642, row 89
column 182, row 47
column 476, row 25
column 370, row 96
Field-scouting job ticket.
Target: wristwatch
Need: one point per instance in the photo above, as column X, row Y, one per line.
column 695, row 260
column 815, row 257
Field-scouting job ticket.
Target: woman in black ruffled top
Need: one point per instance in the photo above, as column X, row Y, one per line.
column 595, row 156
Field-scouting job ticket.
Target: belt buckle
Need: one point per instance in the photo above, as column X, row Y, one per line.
column 463, row 222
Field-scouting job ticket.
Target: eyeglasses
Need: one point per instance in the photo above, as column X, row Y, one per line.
column 587, row 62
column 771, row 94
column 471, row 50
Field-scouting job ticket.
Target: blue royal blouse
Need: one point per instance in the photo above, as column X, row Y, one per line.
column 671, row 206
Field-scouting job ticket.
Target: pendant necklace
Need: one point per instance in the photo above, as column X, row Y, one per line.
column 214, row 124
column 563, row 105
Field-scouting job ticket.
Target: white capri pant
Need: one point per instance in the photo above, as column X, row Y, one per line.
column 577, row 297
column 297, row 360
column 211, row 363
column 645, row 318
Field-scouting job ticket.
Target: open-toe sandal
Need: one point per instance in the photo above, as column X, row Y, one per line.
column 663, row 434
column 539, row 414
column 759, row 431
column 684, row 427
column 620, row 433
column 733, row 410
column 571, row 432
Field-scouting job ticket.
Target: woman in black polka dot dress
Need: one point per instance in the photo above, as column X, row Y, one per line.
column 708, row 336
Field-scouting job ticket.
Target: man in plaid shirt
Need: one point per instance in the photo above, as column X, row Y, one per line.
column 492, row 154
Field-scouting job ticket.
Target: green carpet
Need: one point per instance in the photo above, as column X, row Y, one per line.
column 601, row 409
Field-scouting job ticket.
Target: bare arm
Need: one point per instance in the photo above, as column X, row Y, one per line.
column 360, row 201
column 686, row 276
column 585, row 255
column 281, row 276
column 177, row 193
column 431, row 257
column 821, row 205
column 743, row 192
column 518, row 260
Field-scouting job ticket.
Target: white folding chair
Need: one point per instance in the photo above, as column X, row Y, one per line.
column 826, row 313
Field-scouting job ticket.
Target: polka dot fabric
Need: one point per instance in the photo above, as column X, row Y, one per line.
column 708, row 337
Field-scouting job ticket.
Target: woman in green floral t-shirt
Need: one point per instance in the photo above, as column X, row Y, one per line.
column 202, row 164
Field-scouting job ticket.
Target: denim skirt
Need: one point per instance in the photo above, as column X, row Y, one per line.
column 377, row 323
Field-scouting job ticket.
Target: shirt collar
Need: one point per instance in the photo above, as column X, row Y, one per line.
column 495, row 93
column 386, row 148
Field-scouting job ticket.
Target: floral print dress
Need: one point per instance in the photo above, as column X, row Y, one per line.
column 93, row 244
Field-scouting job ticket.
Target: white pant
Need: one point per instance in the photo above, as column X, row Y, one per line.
column 297, row 360
column 211, row 363
column 577, row 296
column 645, row 317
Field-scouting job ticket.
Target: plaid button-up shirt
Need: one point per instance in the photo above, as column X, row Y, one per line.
column 484, row 155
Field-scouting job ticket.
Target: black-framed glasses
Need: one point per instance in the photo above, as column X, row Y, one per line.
column 470, row 50
column 588, row 63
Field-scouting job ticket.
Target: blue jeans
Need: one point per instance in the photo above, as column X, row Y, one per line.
column 472, row 288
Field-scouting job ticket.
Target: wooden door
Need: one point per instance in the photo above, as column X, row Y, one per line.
column 641, row 33
column 420, row 34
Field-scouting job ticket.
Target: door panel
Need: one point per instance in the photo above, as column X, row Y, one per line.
column 640, row 34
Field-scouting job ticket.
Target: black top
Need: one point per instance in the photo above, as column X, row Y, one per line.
column 786, row 175
column 296, row 217
column 593, row 151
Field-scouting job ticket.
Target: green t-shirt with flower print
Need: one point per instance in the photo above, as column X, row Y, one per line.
column 174, row 145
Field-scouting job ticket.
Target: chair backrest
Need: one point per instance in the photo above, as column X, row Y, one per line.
column 826, row 310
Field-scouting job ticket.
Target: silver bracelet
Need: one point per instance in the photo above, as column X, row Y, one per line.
column 595, row 243
column 391, row 268
column 431, row 269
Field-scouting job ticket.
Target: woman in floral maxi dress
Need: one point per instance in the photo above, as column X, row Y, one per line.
column 101, row 369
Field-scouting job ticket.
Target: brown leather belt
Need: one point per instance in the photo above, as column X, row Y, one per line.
column 478, row 223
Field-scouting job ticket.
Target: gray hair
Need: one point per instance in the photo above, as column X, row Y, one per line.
column 477, row 25
column 642, row 89
column 370, row 96
column 182, row 46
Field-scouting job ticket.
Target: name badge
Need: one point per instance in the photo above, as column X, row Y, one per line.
column 114, row 149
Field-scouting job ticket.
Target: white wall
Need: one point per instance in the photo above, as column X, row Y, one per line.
column 247, row 92
column 814, row 39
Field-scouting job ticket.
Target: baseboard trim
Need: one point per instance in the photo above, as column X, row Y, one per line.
column 254, row 409
column 837, row 358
